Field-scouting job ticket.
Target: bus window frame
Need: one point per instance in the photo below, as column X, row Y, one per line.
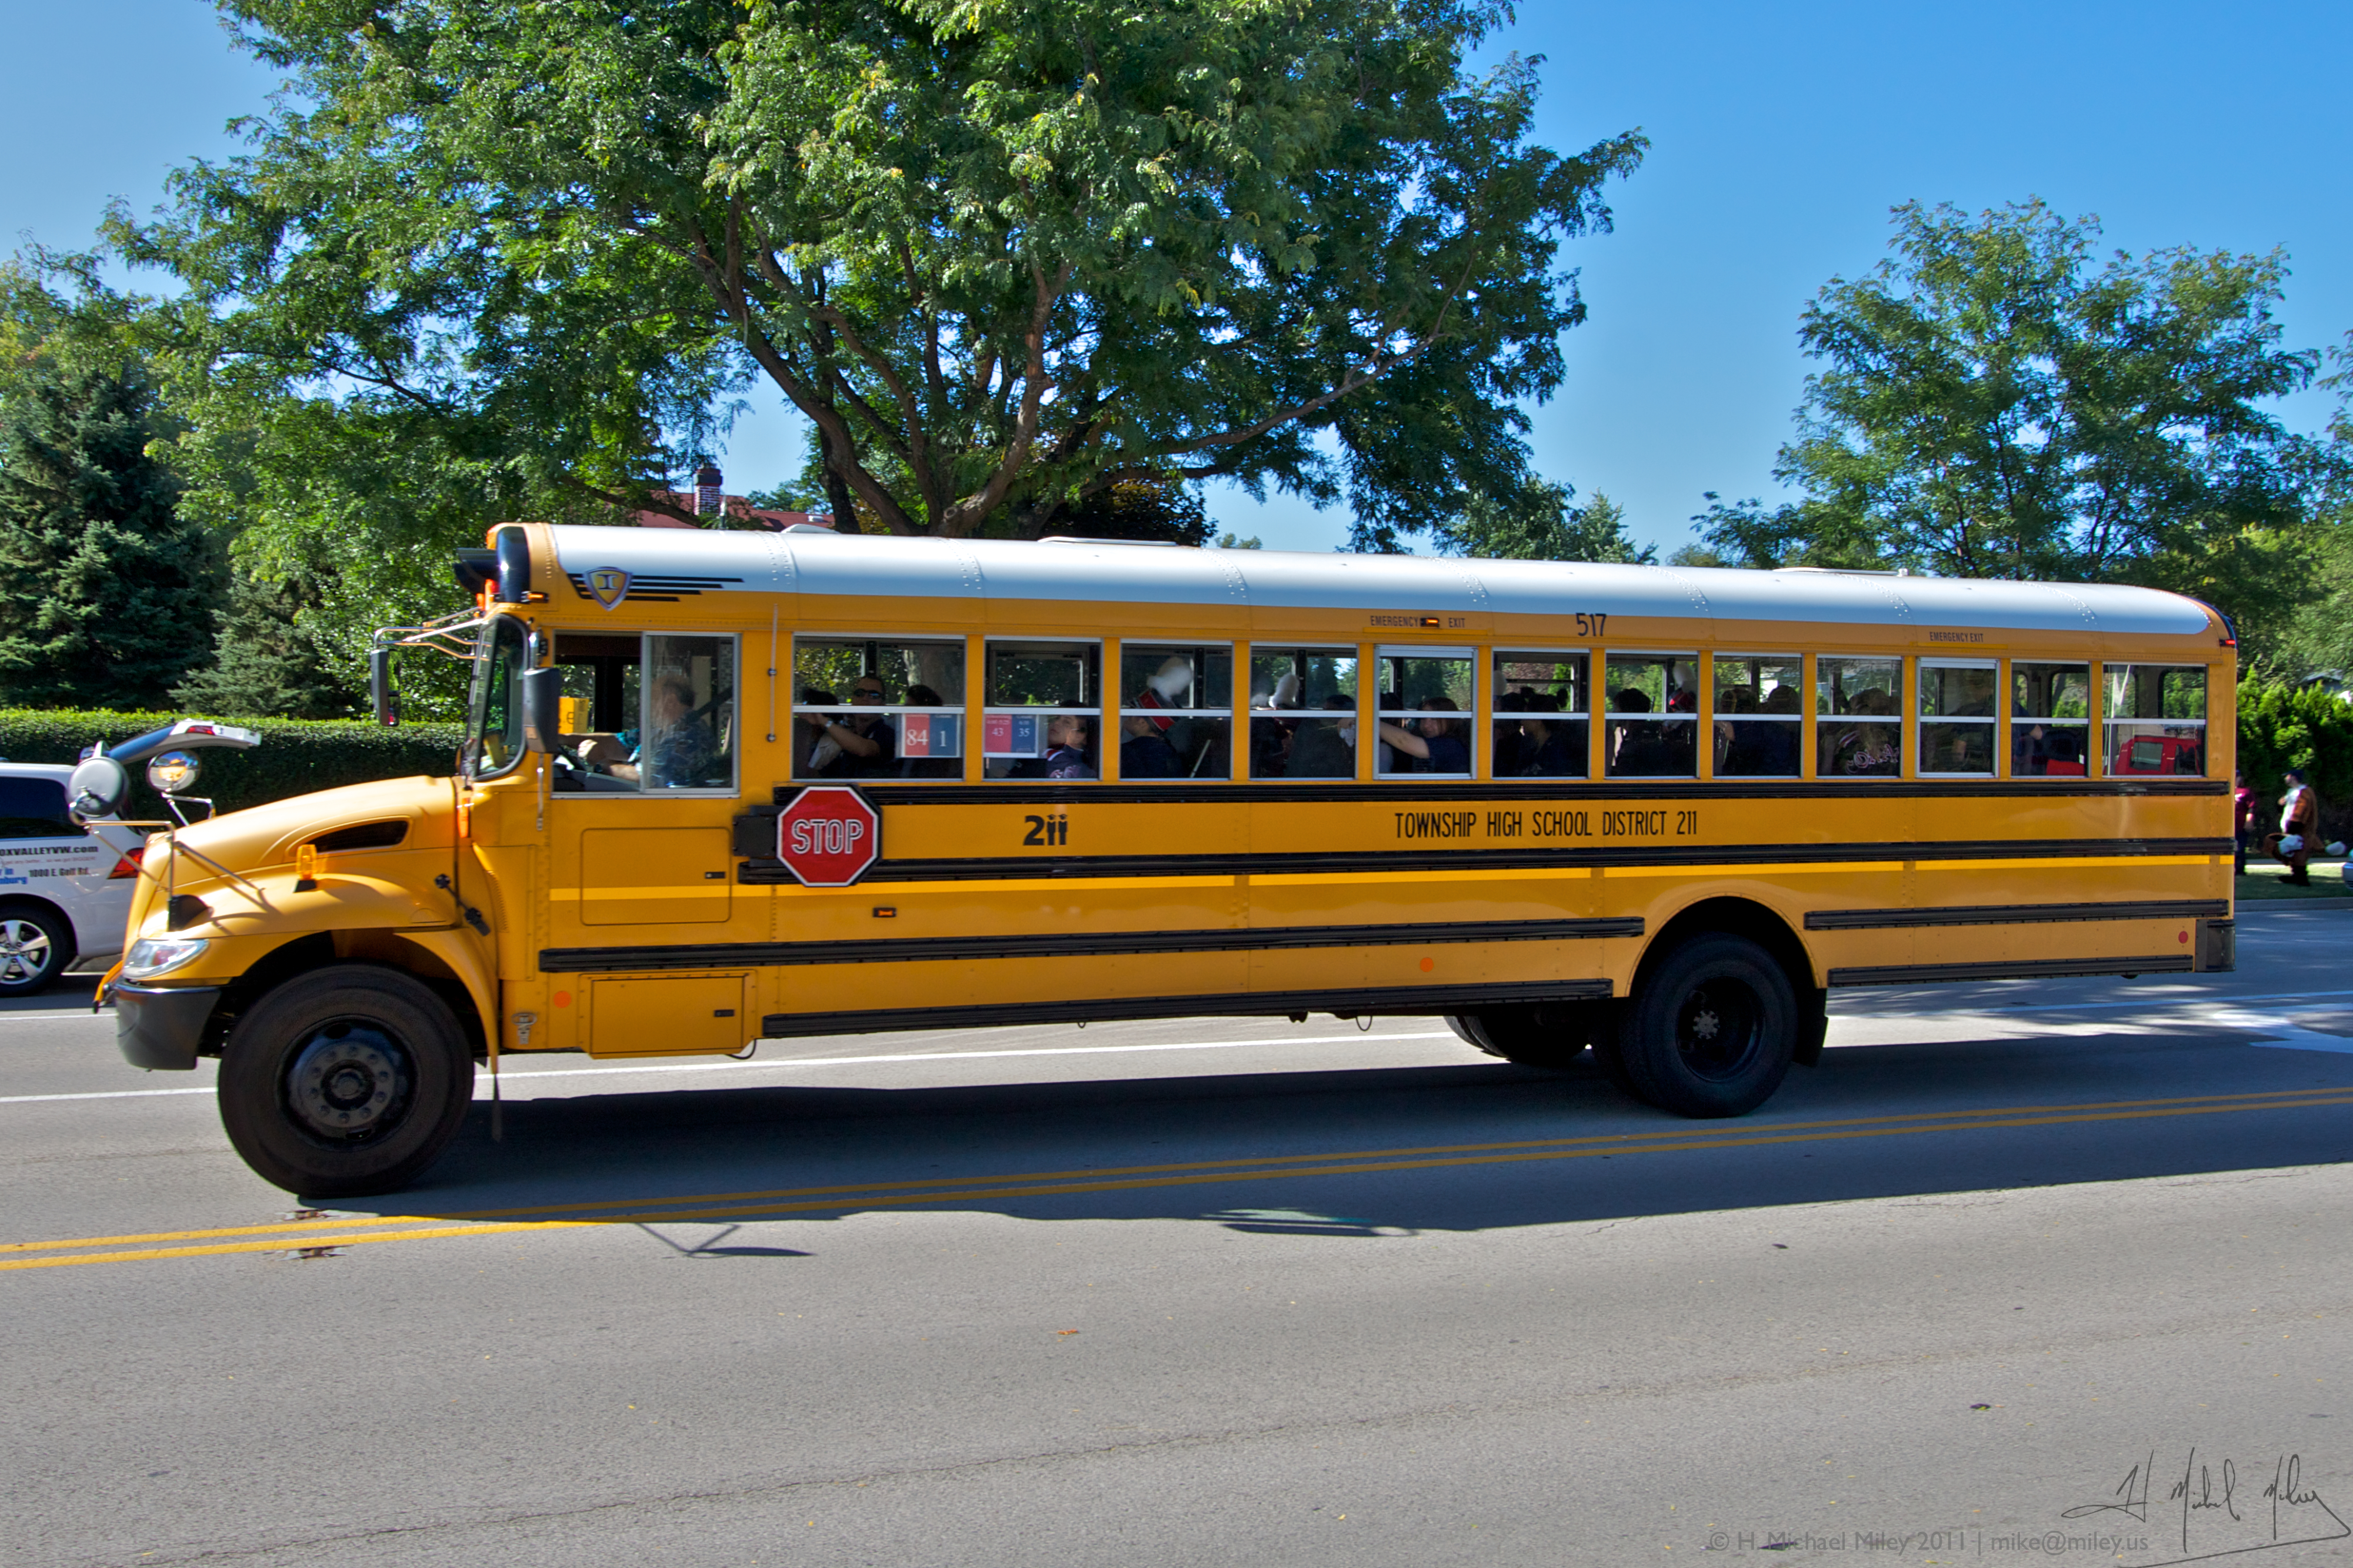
column 733, row 789
column 1920, row 714
column 791, row 676
column 1491, row 685
column 1237, row 671
column 2106, row 724
column 1467, row 717
column 1701, row 662
column 1094, row 716
column 527, row 650
column 1804, row 712
column 1906, row 705
column 1360, row 701
column 2012, row 718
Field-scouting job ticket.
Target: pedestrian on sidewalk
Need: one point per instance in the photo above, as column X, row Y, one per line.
column 2242, row 818
column 2299, row 826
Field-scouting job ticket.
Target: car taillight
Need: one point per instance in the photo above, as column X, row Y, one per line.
column 128, row 866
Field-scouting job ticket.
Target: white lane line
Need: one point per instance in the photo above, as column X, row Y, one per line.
column 2112, row 1004
column 109, row 1094
column 524, row 1074
column 69, row 1012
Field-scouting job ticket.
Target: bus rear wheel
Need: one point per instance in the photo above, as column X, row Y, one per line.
column 1711, row 1030
column 1549, row 1035
column 345, row 1082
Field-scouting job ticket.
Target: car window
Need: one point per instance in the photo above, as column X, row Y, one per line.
column 34, row 808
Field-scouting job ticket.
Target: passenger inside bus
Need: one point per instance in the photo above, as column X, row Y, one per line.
column 1551, row 747
column 862, row 746
column 684, row 740
column 1325, row 748
column 1433, row 745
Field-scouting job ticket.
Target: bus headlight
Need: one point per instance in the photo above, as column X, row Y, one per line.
column 151, row 956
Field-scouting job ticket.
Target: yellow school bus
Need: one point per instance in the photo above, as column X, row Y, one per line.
column 726, row 788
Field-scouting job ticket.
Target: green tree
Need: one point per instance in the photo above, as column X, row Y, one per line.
column 1160, row 511
column 270, row 658
column 1996, row 403
column 998, row 255
column 106, row 592
column 1539, row 524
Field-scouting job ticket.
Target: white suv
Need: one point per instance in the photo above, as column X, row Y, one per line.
column 64, row 889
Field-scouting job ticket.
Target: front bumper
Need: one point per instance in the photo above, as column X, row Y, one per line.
column 159, row 1028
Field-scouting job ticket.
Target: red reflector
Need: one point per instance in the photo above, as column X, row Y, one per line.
column 126, row 866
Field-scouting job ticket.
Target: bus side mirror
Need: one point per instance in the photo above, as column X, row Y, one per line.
column 382, row 697
column 543, row 708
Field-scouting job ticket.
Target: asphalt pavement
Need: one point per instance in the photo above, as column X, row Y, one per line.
column 2047, row 1271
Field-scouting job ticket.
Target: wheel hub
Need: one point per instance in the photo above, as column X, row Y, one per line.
column 1716, row 1029
column 24, row 947
column 350, row 1081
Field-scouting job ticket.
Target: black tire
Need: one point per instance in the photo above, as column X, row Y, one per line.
column 1549, row 1035
column 1710, row 1029
column 345, row 1081
column 36, row 945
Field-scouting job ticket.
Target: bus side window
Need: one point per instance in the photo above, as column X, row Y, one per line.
column 688, row 742
column 1302, row 713
column 1044, row 700
column 1652, row 716
column 603, row 685
column 2051, row 714
column 1176, row 710
column 1858, row 723
column 1537, row 707
column 2157, row 718
column 878, row 707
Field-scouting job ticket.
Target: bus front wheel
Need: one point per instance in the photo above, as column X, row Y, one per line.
column 1710, row 1029
column 346, row 1081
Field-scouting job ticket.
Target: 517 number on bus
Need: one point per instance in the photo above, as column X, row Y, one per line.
column 1592, row 625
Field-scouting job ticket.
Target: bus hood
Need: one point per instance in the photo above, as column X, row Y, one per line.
column 395, row 833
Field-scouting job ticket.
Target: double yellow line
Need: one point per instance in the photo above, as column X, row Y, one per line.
column 359, row 1230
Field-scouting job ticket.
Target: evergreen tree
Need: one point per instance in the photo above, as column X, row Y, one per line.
column 271, row 660
column 106, row 595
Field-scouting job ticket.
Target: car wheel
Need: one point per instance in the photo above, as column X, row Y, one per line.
column 36, row 945
column 1710, row 1029
column 345, row 1082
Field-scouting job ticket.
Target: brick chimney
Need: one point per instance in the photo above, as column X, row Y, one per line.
column 707, row 497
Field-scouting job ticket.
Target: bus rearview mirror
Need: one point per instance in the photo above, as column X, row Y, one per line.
column 543, row 708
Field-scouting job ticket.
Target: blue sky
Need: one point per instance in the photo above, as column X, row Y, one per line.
column 1780, row 137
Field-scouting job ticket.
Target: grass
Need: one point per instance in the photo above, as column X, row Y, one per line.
column 2269, row 880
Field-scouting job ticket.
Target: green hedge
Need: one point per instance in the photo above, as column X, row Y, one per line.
column 295, row 757
column 2279, row 727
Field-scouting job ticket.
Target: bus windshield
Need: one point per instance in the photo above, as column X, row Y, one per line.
column 494, row 721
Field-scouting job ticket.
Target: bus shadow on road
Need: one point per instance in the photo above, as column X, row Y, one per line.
column 1375, row 1152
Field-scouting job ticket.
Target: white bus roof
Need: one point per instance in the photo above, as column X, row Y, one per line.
column 812, row 561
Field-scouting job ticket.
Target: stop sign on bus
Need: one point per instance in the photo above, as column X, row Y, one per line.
column 828, row 836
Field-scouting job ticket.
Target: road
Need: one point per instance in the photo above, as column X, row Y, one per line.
column 1211, row 1292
